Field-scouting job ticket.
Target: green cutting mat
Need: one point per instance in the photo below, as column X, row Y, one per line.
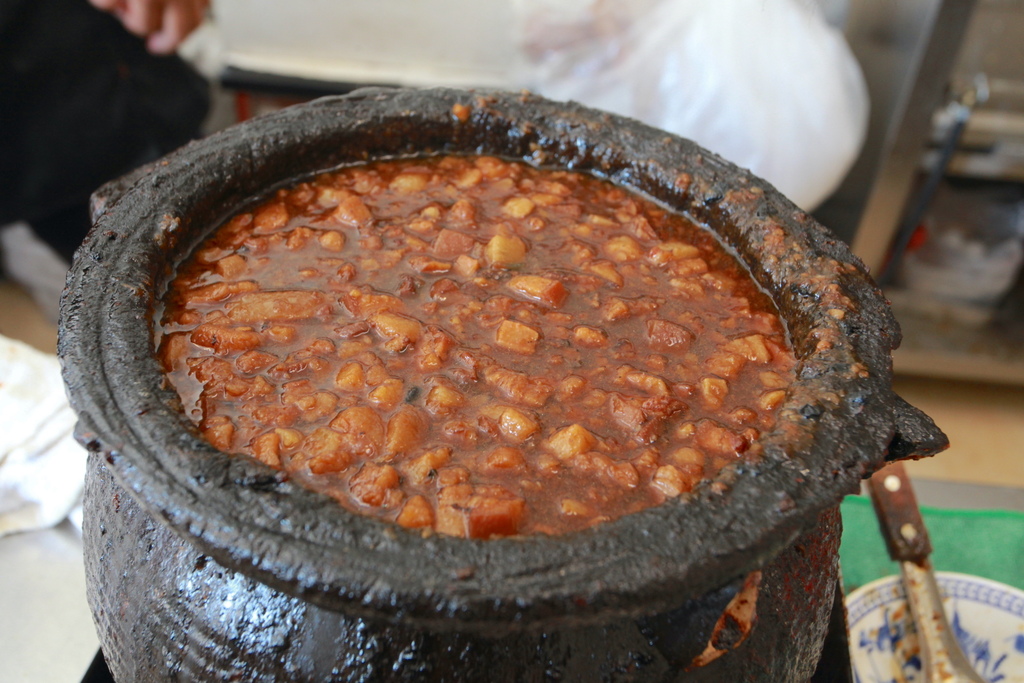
column 988, row 543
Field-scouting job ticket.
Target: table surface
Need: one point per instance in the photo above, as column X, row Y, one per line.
column 46, row 631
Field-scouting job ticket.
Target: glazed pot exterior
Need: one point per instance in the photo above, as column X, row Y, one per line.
column 203, row 562
column 166, row 611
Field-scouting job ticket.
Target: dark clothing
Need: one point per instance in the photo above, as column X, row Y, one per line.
column 81, row 102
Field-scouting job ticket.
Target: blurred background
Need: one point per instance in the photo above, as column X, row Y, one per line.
column 898, row 124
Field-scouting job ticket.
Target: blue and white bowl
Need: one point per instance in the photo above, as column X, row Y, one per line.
column 987, row 618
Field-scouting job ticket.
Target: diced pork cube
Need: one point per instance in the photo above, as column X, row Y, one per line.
column 435, row 347
column 770, row 400
column 623, row 248
column 261, row 307
column 362, row 429
column 270, row 218
column 672, row 251
column 718, row 440
column 688, row 267
column 443, row 399
column 752, row 347
column 627, row 412
column 522, row 388
column 425, row 264
column 351, row 377
column 332, row 240
column 352, row 211
column 275, row 415
column 518, row 207
column 469, row 178
column 616, row 309
column 505, row 251
column 387, row 394
column 505, row 459
column 232, row 266
column 574, row 508
column 219, row 431
column 537, row 288
column 479, row 511
column 515, row 336
column 713, row 390
column 570, row 441
column 252, row 362
column 219, row 291
column 405, row 430
column 452, row 475
column 267, row 448
column 290, row 438
column 425, row 466
column 225, row 340
column 373, row 482
column 645, row 381
column 670, row 481
column 399, row 331
column 416, row 514
column 725, row 364
column 316, row 406
column 408, row 183
column 362, row 303
column 607, row 270
column 668, row 336
column 327, row 451
column 466, row 266
column 462, row 211
column 590, row 337
column 571, row 387
column 451, row 243
column 517, row 426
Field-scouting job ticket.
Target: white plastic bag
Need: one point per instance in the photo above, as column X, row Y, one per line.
column 767, row 84
column 42, row 467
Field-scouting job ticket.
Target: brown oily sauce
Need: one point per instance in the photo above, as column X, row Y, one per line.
column 475, row 346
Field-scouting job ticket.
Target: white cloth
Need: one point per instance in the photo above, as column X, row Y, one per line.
column 42, row 467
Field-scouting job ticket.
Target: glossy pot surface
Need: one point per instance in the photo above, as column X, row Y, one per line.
column 166, row 611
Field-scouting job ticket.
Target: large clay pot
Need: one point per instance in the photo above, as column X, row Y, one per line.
column 202, row 562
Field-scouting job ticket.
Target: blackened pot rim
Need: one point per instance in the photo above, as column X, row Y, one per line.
column 835, row 426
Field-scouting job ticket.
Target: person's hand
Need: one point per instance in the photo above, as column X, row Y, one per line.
column 163, row 23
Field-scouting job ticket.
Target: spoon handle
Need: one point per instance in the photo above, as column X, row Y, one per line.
column 907, row 539
column 896, row 506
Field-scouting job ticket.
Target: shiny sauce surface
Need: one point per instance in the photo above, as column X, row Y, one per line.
column 474, row 346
